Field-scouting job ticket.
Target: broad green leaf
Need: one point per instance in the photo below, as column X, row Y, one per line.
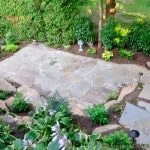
column 32, row 135
column 41, row 146
column 54, row 145
column 18, row 144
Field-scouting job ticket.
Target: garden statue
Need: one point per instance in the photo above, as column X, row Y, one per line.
column 80, row 44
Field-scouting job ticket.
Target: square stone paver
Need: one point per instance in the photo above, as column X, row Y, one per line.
column 145, row 92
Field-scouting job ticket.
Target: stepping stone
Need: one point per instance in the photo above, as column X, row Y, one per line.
column 137, row 119
column 145, row 94
column 144, row 105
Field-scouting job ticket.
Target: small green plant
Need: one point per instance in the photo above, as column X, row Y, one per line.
column 10, row 48
column 118, row 140
column 67, row 47
column 19, row 104
column 55, row 102
column 113, row 96
column 107, row 55
column 140, row 85
column 98, row 114
column 126, row 54
column 133, row 100
column 116, row 109
column 91, row 51
column 4, row 94
column 11, row 38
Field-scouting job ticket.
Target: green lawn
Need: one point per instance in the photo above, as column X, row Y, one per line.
column 130, row 10
column 127, row 10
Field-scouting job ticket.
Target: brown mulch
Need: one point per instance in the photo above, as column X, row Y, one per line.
column 139, row 58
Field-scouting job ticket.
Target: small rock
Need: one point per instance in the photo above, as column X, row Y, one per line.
column 3, row 106
column 26, row 119
column 28, row 92
column 9, row 101
column 9, row 119
column 5, row 85
column 106, row 128
column 148, row 64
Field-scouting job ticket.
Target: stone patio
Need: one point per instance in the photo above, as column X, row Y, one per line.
column 40, row 71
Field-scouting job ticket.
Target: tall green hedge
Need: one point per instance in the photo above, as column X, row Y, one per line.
column 43, row 20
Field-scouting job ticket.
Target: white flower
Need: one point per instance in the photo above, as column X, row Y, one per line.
column 56, row 131
column 63, row 142
column 52, row 112
column 83, row 136
column 28, row 144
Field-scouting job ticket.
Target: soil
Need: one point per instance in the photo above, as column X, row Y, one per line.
column 139, row 57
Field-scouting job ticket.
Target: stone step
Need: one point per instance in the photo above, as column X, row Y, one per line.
column 144, row 105
column 136, row 118
column 145, row 93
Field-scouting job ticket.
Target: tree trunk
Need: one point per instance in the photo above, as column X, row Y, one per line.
column 100, row 25
column 110, row 8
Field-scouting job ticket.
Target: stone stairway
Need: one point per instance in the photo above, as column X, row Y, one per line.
column 138, row 117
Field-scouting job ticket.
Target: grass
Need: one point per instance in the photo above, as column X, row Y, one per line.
column 133, row 9
column 127, row 11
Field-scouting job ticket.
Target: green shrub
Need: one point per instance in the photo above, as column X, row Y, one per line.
column 84, row 29
column 10, row 48
column 98, row 114
column 34, row 19
column 118, row 140
column 11, row 38
column 107, row 55
column 91, row 51
column 113, row 35
column 138, row 38
column 113, row 96
column 19, row 104
column 126, row 54
column 67, row 47
column 4, row 94
column 55, row 102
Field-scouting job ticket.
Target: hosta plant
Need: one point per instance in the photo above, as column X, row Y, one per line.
column 107, row 55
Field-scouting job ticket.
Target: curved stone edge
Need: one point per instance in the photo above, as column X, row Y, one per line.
column 125, row 91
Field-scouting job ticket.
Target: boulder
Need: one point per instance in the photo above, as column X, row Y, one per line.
column 5, row 85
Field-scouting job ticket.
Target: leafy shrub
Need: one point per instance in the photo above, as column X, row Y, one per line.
column 11, row 38
column 113, row 96
column 113, row 35
column 34, row 19
column 119, row 141
column 138, row 38
column 98, row 114
column 107, row 55
column 116, row 109
column 4, row 94
column 126, row 54
column 67, row 47
column 84, row 29
column 19, row 104
column 55, row 102
column 11, row 48
column 5, row 135
column 91, row 51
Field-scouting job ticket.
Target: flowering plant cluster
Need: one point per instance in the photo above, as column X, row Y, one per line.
column 52, row 129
